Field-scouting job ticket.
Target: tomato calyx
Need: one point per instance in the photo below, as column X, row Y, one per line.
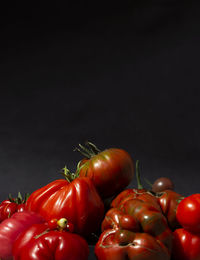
column 19, row 199
column 88, row 150
column 69, row 176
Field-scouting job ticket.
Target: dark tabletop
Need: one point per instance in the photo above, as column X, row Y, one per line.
column 123, row 76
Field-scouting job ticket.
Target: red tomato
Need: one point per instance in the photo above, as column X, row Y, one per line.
column 41, row 243
column 188, row 213
column 117, row 244
column 10, row 229
column 169, row 201
column 10, row 206
column 77, row 201
column 186, row 245
column 110, row 170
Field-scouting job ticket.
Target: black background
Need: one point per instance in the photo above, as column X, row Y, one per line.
column 121, row 75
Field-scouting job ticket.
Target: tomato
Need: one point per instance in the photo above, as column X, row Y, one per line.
column 10, row 206
column 134, row 214
column 186, row 245
column 41, row 242
column 117, row 244
column 10, row 229
column 169, row 201
column 110, row 170
column 162, row 184
column 188, row 213
column 77, row 201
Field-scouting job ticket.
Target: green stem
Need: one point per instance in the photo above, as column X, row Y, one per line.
column 68, row 175
column 88, row 150
column 138, row 176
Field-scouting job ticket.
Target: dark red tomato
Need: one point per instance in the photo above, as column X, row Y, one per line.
column 77, row 201
column 188, row 213
column 117, row 244
column 186, row 245
column 162, row 184
column 42, row 243
column 110, row 170
column 10, row 206
column 147, row 216
column 169, row 201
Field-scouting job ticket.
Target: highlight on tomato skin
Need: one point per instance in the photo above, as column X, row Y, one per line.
column 188, row 213
column 77, row 201
column 111, row 170
column 117, row 244
column 41, row 242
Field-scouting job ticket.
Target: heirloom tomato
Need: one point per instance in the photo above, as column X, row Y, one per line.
column 188, row 213
column 169, row 201
column 186, row 245
column 11, row 205
column 77, row 201
column 44, row 242
column 139, row 216
column 110, row 170
column 117, row 244
column 11, row 228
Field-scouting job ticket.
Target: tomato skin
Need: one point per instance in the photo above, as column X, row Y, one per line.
column 141, row 214
column 169, row 201
column 116, row 244
column 111, row 171
column 188, row 213
column 41, row 243
column 186, row 245
column 77, row 201
column 10, row 229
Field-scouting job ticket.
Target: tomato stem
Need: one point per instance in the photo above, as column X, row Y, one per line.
column 68, row 175
column 88, row 150
column 139, row 183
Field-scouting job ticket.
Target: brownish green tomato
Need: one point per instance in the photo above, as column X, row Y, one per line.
column 162, row 184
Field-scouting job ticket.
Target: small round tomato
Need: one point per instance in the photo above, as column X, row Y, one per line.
column 188, row 213
column 110, row 170
column 162, row 184
column 11, row 205
column 186, row 245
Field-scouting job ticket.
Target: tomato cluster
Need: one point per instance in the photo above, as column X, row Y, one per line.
column 58, row 221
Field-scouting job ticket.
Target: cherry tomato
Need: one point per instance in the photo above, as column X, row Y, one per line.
column 162, row 184
column 188, row 213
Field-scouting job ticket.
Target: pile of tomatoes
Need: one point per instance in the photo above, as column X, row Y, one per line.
column 92, row 205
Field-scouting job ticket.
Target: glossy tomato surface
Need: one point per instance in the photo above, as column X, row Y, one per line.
column 116, row 244
column 41, row 243
column 77, row 201
column 11, row 228
column 111, row 171
column 186, row 245
column 188, row 213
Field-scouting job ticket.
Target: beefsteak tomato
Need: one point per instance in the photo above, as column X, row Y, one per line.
column 77, row 201
column 110, row 170
column 116, row 244
column 11, row 228
column 42, row 242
